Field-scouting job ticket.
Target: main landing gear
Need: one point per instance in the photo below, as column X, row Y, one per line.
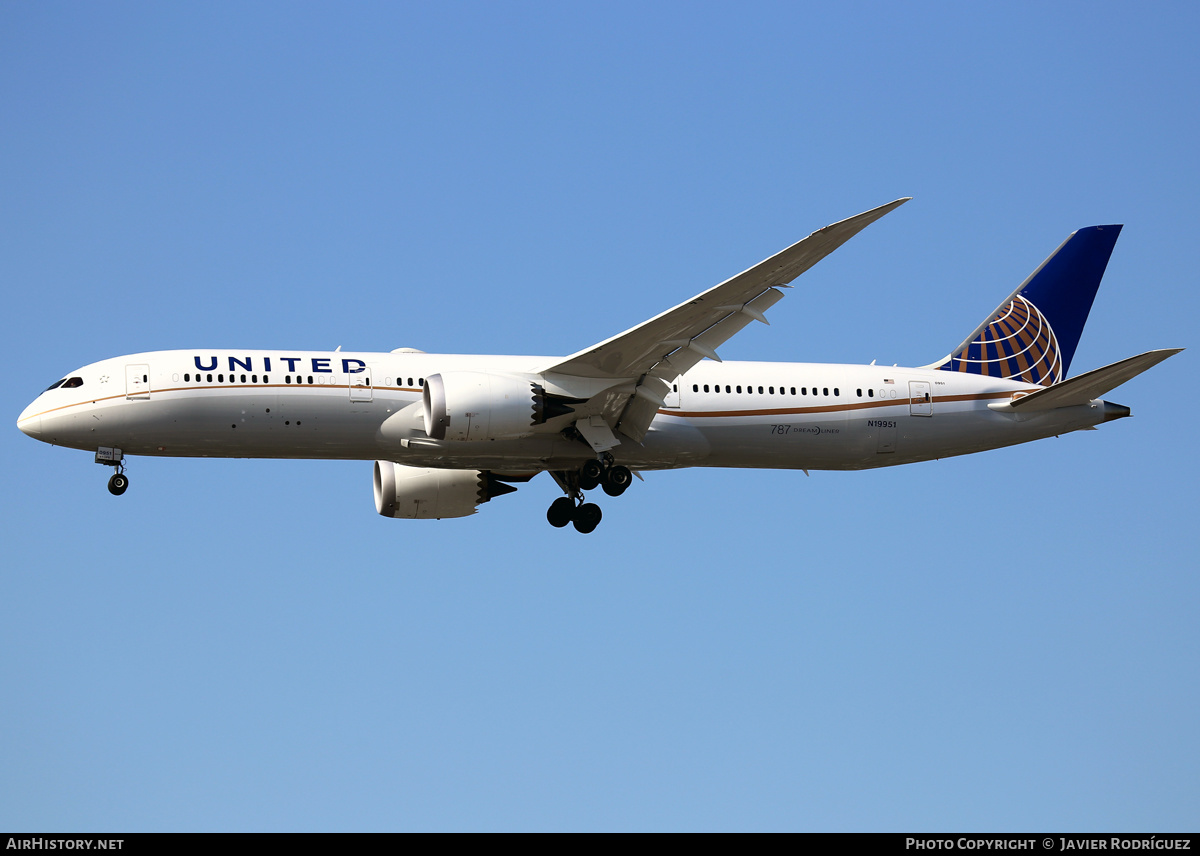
column 585, row 516
column 114, row 458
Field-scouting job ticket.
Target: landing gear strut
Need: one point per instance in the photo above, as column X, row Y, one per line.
column 114, row 458
column 571, row 508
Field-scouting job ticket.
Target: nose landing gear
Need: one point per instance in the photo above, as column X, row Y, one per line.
column 118, row 484
column 571, row 508
column 114, row 458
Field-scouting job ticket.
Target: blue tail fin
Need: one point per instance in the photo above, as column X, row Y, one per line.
column 1032, row 336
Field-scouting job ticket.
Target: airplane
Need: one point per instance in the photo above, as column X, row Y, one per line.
column 451, row 432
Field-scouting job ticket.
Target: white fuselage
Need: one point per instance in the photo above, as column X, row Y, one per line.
column 364, row 406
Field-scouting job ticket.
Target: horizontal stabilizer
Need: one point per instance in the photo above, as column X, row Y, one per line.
column 1090, row 385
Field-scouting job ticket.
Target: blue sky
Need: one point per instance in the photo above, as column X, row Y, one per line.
column 1000, row 642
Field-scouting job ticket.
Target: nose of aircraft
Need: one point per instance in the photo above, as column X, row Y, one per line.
column 30, row 421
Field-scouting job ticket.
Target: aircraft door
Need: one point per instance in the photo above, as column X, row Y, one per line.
column 920, row 399
column 137, row 382
column 361, row 388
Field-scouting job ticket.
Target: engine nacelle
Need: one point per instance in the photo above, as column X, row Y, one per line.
column 479, row 406
column 422, row 493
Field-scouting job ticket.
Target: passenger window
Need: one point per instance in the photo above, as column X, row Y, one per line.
column 243, row 378
column 771, row 389
column 836, row 391
column 739, row 389
column 310, row 380
column 210, row 378
column 287, row 379
column 860, row 393
column 220, row 378
column 760, row 390
column 870, row 393
column 825, row 390
column 793, row 390
column 254, row 378
column 187, row 377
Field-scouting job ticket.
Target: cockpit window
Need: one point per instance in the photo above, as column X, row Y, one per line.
column 55, row 385
column 72, row 382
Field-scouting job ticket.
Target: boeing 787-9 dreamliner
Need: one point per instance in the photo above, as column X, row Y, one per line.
column 448, row 432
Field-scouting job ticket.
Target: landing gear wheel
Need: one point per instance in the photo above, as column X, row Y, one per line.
column 590, row 474
column 560, row 512
column 586, row 517
column 616, row 479
column 118, row 484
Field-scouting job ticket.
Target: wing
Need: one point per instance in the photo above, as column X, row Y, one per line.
column 654, row 353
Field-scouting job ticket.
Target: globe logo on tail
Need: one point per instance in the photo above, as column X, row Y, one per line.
column 1017, row 343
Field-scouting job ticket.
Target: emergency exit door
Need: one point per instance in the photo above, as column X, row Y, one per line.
column 920, row 399
column 360, row 386
column 137, row 381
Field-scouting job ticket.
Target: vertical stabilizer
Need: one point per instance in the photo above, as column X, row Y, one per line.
column 1033, row 334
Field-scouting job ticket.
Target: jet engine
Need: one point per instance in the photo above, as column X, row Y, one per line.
column 423, row 493
column 480, row 406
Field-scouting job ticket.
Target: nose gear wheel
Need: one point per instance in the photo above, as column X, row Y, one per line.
column 118, row 484
column 115, row 458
